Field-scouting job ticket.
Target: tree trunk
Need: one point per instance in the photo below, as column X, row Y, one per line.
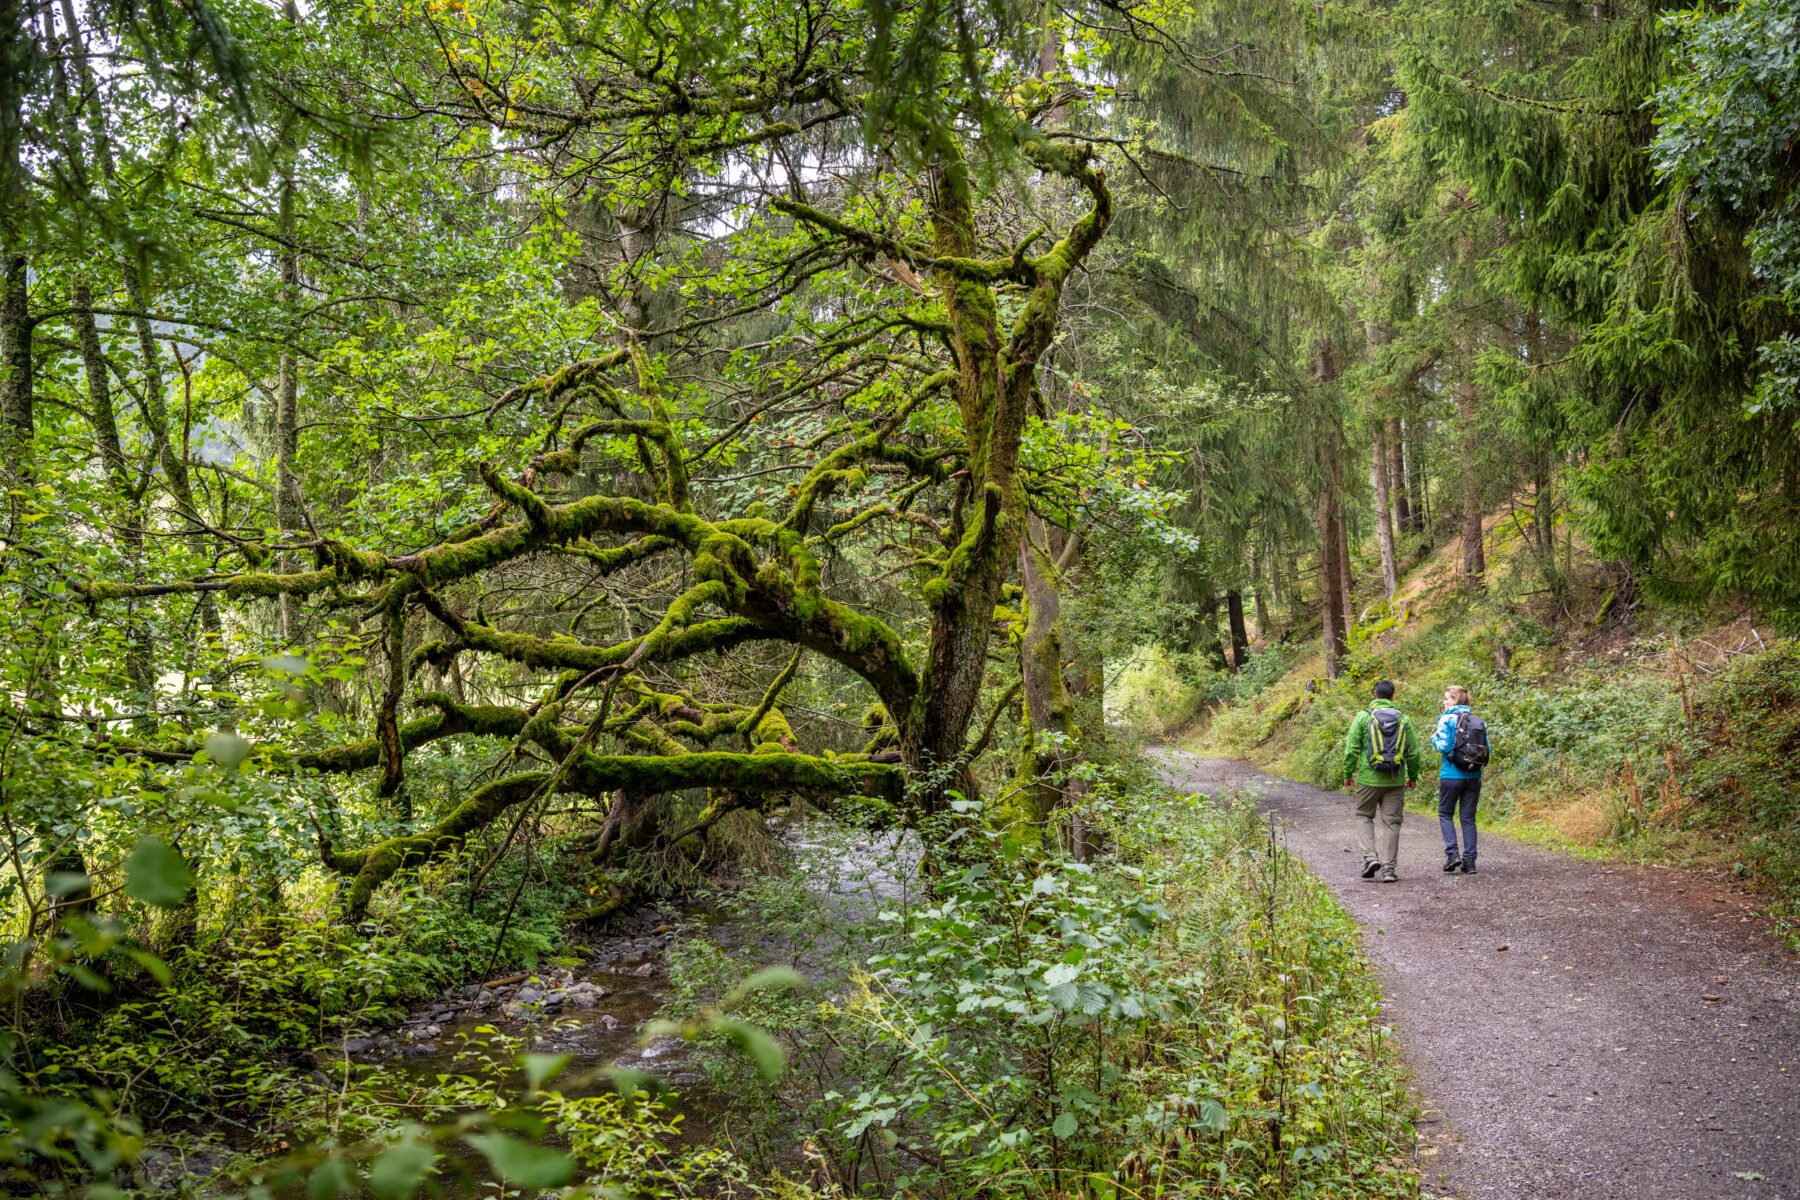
column 287, row 393
column 1333, row 570
column 139, row 670
column 996, row 391
column 1343, row 556
column 1257, row 588
column 16, row 391
column 1240, row 636
column 1049, row 708
column 1417, row 487
column 1403, row 510
column 1331, row 599
column 17, row 421
column 1474, row 562
column 1384, row 524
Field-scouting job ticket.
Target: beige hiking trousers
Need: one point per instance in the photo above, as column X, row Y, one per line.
column 1388, row 804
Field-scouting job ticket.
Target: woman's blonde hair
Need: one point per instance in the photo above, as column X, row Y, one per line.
column 1456, row 693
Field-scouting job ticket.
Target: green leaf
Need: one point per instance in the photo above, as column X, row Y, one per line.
column 226, row 749
column 63, row 884
column 333, row 1179
column 1065, row 1125
column 523, row 1164
column 767, row 978
column 629, row 1082
column 156, row 874
column 762, row 1049
column 400, row 1169
column 158, row 969
column 541, row 1067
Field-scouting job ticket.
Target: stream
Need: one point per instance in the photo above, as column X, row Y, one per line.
column 596, row 1011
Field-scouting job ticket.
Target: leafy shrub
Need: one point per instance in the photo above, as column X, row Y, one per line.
column 1190, row 1010
column 1744, row 775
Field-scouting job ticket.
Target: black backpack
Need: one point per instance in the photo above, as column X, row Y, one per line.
column 1387, row 741
column 1470, row 750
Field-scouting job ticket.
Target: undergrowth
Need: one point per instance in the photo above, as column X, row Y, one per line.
column 1189, row 1014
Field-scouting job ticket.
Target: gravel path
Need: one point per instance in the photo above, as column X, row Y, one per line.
column 1574, row 1029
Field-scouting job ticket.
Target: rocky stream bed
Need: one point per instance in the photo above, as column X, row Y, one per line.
column 594, row 1011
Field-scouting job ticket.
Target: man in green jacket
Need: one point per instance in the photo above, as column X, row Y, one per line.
column 1381, row 760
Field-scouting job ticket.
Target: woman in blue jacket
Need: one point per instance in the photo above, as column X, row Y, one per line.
column 1459, row 790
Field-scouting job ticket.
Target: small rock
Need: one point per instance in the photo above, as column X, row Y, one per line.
column 645, row 971
column 358, row 1045
column 528, row 995
column 582, row 1000
column 421, row 1049
column 433, row 1030
column 608, row 1022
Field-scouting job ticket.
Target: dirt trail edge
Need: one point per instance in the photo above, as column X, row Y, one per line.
column 1574, row 1029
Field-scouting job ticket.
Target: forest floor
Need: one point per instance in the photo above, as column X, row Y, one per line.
column 1573, row 1028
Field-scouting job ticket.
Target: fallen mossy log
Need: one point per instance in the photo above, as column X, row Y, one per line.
column 598, row 775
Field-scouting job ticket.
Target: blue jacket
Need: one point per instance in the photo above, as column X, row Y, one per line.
column 1444, row 738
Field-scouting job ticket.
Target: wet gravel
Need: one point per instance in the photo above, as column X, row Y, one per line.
column 1574, row 1029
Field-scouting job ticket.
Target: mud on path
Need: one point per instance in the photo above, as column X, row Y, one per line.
column 1574, row 1029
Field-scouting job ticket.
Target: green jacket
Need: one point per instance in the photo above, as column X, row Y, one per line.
column 1356, row 752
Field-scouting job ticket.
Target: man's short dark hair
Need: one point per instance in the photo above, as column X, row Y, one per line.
column 1384, row 690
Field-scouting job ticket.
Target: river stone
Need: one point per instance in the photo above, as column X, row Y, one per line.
column 358, row 1045
column 527, row 995
column 608, row 1022
column 645, row 971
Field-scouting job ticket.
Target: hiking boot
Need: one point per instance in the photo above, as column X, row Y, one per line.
column 1468, row 866
column 1451, row 862
column 1388, row 876
column 1369, row 869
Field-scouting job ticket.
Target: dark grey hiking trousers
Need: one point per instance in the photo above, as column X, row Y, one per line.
column 1458, row 797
